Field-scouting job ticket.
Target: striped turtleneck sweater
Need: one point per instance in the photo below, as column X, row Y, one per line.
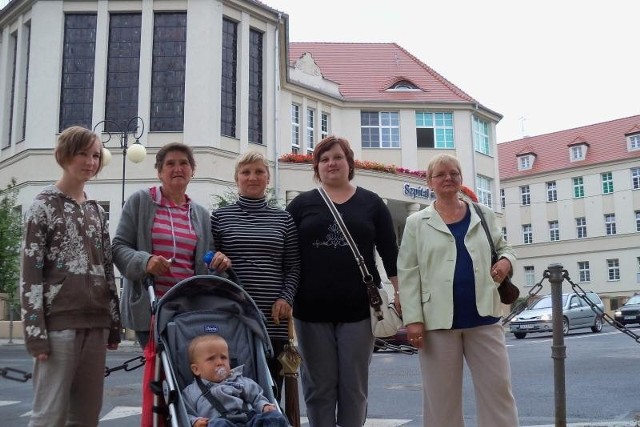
column 262, row 243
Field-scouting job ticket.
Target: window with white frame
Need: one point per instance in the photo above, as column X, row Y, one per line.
column 311, row 118
column 481, row 136
column 638, row 269
column 552, row 191
column 525, row 195
column 295, row 128
column 637, row 220
column 527, row 234
column 380, row 129
column 581, row 227
column 434, row 130
column 578, row 187
column 504, row 233
column 578, row 152
column 554, row 231
column 635, row 178
column 613, row 269
column 607, row 182
column 483, row 190
column 529, row 275
column 503, row 200
column 610, row 224
column 634, row 142
column 584, row 272
column 525, row 161
column 324, row 125
column 106, row 206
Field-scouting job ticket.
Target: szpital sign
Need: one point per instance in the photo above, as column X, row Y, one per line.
column 417, row 191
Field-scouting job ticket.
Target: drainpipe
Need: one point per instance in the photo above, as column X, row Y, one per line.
column 276, row 98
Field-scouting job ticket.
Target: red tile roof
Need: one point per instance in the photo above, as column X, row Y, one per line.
column 365, row 70
column 607, row 142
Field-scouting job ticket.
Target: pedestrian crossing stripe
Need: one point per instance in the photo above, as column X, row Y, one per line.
column 8, row 402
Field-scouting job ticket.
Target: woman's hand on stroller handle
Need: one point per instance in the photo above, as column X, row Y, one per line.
column 217, row 261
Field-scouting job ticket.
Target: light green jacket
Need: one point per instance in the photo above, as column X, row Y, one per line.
column 426, row 265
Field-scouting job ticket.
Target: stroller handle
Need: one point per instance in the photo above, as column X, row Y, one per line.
column 227, row 274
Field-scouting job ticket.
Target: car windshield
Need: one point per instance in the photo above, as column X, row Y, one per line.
column 633, row 300
column 546, row 302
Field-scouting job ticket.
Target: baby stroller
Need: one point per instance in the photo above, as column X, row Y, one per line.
column 205, row 305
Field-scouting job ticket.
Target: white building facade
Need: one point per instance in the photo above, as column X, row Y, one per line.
column 222, row 76
column 573, row 198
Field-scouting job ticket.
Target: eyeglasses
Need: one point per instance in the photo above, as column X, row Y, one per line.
column 453, row 175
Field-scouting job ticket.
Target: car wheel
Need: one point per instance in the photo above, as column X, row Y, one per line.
column 597, row 325
column 520, row 335
column 565, row 326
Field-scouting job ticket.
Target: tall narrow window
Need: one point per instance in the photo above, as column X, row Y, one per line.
column 610, row 224
column 581, row 227
column 13, row 45
column 434, row 130
column 255, row 86
column 228, row 82
column 481, row 136
column 168, row 71
column 529, row 275
column 324, row 125
column 584, row 272
column 78, row 63
column 295, row 128
column 527, row 234
column 484, row 190
column 637, row 220
column 635, row 178
column 578, row 187
column 380, row 129
column 525, row 195
column 311, row 118
column 613, row 269
column 27, row 30
column 554, row 231
column 607, row 182
column 123, row 66
column 552, row 192
column 504, row 233
column 503, row 200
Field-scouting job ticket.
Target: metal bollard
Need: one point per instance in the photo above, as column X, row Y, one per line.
column 558, row 349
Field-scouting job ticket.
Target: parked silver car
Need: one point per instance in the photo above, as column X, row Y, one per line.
column 576, row 313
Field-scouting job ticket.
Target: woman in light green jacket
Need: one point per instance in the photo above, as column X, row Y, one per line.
column 450, row 303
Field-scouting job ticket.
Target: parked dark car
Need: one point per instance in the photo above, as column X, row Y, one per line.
column 629, row 312
column 576, row 313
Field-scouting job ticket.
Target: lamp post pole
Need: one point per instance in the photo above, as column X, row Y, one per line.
column 134, row 152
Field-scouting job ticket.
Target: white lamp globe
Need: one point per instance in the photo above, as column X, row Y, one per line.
column 106, row 157
column 136, row 152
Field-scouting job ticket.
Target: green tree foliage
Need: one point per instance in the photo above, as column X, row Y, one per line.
column 230, row 196
column 10, row 239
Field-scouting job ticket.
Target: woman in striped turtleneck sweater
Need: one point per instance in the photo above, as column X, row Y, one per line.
column 262, row 243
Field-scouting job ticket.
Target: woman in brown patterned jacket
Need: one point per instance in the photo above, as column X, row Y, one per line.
column 69, row 297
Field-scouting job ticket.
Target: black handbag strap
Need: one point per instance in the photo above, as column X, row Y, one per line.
column 483, row 221
column 372, row 290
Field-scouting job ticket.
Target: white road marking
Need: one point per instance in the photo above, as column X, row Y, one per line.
column 122, row 412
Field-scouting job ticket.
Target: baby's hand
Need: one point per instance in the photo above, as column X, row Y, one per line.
column 268, row 407
column 201, row 422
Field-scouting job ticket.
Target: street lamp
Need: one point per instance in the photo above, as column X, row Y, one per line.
column 134, row 152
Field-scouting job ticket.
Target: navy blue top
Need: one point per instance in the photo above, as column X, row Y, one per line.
column 465, row 311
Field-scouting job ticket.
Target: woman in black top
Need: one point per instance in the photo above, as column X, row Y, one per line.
column 331, row 308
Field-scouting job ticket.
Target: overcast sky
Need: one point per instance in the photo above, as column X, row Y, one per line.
column 545, row 65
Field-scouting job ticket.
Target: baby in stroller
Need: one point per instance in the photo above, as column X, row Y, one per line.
column 220, row 396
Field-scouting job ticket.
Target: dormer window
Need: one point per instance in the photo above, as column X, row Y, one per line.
column 525, row 161
column 578, row 152
column 403, row 85
column 633, row 142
